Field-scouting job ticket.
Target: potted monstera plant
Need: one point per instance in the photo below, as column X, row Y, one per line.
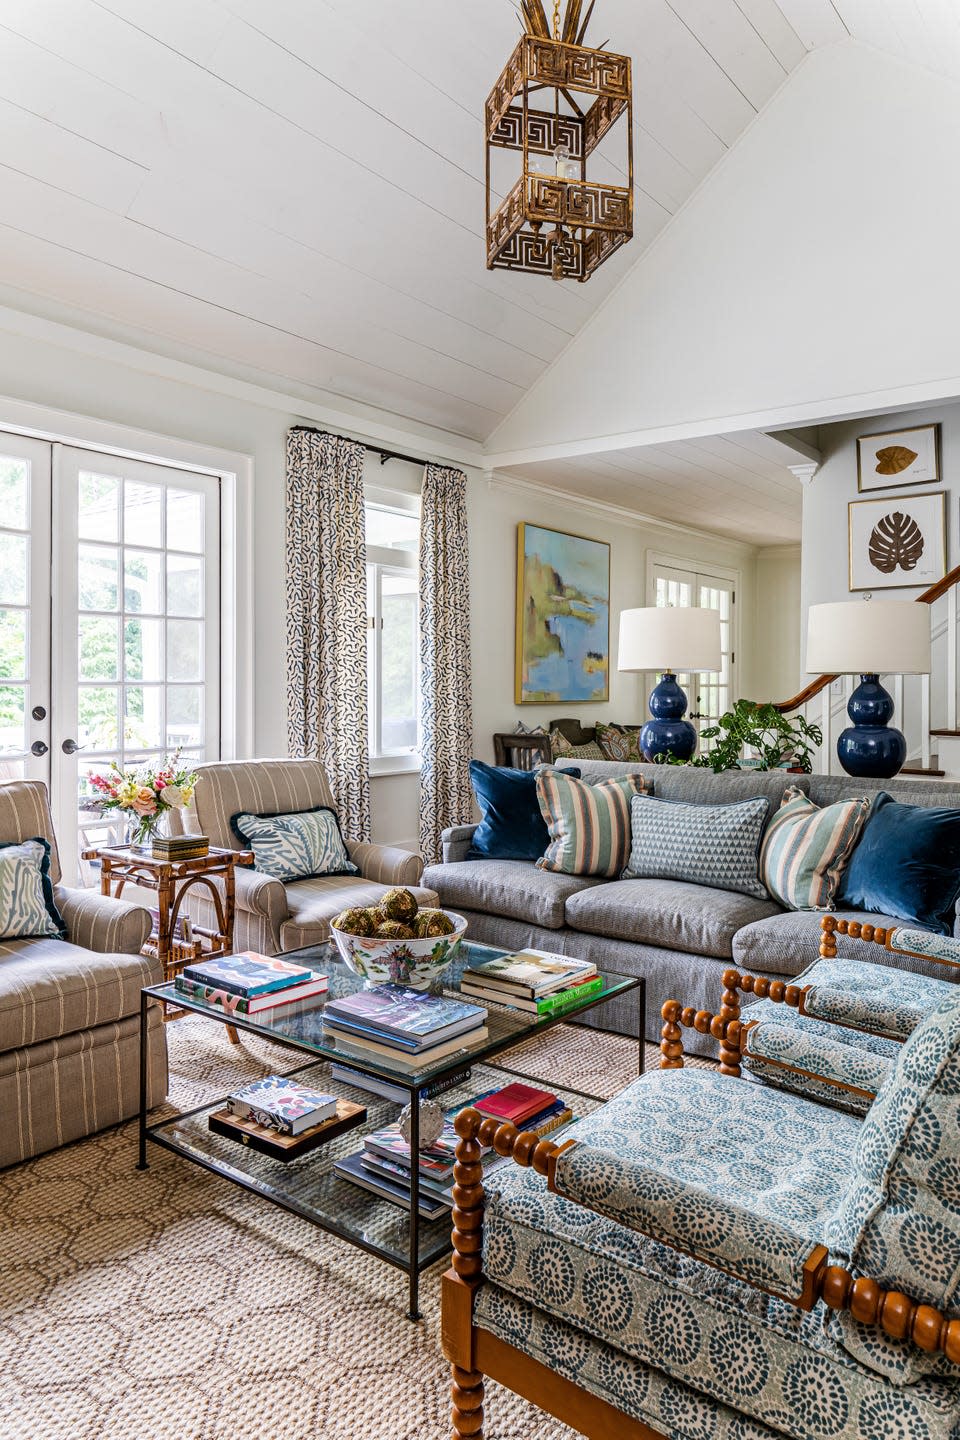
column 778, row 740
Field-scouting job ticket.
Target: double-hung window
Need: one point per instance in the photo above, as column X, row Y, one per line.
column 393, row 634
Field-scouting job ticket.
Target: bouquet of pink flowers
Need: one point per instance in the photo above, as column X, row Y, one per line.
column 145, row 794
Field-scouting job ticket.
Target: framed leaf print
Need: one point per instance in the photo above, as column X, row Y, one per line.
column 898, row 541
column 898, row 458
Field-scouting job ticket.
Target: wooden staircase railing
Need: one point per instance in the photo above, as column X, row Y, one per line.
column 929, row 595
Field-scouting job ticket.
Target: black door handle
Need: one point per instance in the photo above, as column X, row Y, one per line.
column 38, row 748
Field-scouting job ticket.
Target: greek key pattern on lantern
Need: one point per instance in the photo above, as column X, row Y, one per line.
column 566, row 202
column 506, row 219
column 599, row 245
column 545, row 132
column 527, row 251
column 510, row 80
column 575, row 67
column 601, row 117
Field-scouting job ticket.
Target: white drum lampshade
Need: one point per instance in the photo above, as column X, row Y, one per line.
column 856, row 637
column 669, row 638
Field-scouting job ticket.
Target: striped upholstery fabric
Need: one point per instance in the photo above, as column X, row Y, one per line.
column 589, row 825
column 24, row 813
column 49, row 988
column 96, row 922
column 262, row 787
column 805, row 849
column 314, row 902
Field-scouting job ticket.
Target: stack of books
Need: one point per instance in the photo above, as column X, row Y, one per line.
column 179, row 847
column 534, row 981
column 404, row 1028
column 284, row 1118
column 249, row 984
column 377, row 1085
column 383, row 1165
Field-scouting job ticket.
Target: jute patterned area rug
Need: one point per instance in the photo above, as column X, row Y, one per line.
column 171, row 1305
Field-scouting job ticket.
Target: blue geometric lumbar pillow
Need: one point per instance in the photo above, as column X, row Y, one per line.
column 26, row 896
column 295, row 847
column 713, row 845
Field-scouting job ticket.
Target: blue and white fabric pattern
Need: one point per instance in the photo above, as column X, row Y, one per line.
column 729, row 1342
column 26, row 896
column 927, row 944
column 713, row 845
column 900, row 1220
column 822, row 1062
column 706, row 1189
column 870, row 997
column 295, row 847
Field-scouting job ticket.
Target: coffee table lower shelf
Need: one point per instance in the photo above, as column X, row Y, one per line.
column 308, row 1186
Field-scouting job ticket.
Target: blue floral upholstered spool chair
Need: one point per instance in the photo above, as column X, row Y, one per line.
column 706, row 1258
column 834, row 1033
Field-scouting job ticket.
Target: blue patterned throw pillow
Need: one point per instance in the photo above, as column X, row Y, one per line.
column 295, row 847
column 713, row 845
column 26, row 896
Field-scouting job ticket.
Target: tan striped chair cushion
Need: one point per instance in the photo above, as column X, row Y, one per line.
column 50, row 988
column 262, row 787
column 24, row 813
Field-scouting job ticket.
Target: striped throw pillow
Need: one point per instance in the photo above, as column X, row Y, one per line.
column 589, row 825
column 805, row 849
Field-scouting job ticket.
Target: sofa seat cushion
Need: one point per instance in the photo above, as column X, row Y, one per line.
column 728, row 1341
column 50, row 988
column 786, row 942
column 315, row 902
column 670, row 913
column 827, row 1063
column 514, row 888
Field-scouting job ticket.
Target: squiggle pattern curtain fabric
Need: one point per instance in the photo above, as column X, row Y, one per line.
column 327, row 617
column 446, row 706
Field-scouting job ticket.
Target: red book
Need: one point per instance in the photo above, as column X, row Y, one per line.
column 516, row 1103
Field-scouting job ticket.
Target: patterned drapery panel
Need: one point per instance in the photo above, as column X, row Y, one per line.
column 327, row 617
column 446, row 703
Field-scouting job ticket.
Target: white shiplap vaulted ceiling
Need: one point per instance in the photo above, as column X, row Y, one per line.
column 293, row 189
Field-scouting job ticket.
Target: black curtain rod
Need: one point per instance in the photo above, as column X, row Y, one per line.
column 385, row 455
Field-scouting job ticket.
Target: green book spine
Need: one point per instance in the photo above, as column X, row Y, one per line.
column 553, row 1004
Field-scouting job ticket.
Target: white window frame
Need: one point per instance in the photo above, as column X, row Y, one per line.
column 697, row 571
column 382, row 560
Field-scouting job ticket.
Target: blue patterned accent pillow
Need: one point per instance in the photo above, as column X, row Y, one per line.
column 27, row 906
column 295, row 847
column 714, row 845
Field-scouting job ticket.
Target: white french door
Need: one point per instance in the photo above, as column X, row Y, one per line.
column 710, row 692
column 120, row 629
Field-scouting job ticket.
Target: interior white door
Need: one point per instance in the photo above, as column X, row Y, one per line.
column 710, row 692
column 136, row 600
column 24, row 608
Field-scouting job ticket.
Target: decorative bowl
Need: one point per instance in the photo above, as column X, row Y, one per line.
column 400, row 962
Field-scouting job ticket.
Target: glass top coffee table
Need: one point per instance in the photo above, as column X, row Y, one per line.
column 308, row 1186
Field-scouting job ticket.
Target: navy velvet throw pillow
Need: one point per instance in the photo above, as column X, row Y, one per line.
column 907, row 864
column 511, row 827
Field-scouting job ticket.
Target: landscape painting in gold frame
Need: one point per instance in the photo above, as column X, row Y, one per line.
column 563, row 617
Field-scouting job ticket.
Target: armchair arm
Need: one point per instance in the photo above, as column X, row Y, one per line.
column 898, row 940
column 100, row 923
column 456, row 841
column 385, row 864
column 260, row 894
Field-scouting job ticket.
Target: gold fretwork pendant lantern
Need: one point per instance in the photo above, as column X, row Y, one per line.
column 554, row 221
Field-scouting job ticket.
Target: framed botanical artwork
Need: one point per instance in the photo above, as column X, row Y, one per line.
column 563, row 617
column 899, row 457
column 897, row 541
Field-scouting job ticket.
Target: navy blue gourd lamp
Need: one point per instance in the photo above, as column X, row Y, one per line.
column 870, row 639
column 667, row 639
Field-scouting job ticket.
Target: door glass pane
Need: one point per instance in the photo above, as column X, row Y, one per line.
column 98, row 578
column 184, row 650
column 98, row 708
column 99, row 516
column 143, row 650
column 184, row 585
column 13, row 644
column 185, row 520
column 13, row 704
column 98, row 657
column 143, row 717
column 13, row 569
column 142, row 514
column 184, row 714
column 14, row 479
column 143, row 582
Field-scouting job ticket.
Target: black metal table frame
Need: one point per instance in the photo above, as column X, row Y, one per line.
column 414, row 1266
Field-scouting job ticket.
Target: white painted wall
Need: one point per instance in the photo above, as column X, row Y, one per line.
column 775, row 625
column 812, row 275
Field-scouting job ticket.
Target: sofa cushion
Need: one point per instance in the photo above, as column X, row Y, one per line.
column 50, row 988
column 906, row 864
column 715, row 845
column 805, row 849
column 295, row 846
column 589, row 824
column 26, row 895
column 511, row 825
column 513, row 888
column 619, row 744
column 313, row 904
column 786, row 942
column 666, row 912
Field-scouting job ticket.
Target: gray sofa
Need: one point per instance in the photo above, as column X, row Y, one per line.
column 680, row 936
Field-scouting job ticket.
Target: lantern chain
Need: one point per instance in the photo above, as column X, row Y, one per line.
column 556, row 19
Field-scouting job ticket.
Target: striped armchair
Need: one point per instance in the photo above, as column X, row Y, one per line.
column 274, row 916
column 70, row 1009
